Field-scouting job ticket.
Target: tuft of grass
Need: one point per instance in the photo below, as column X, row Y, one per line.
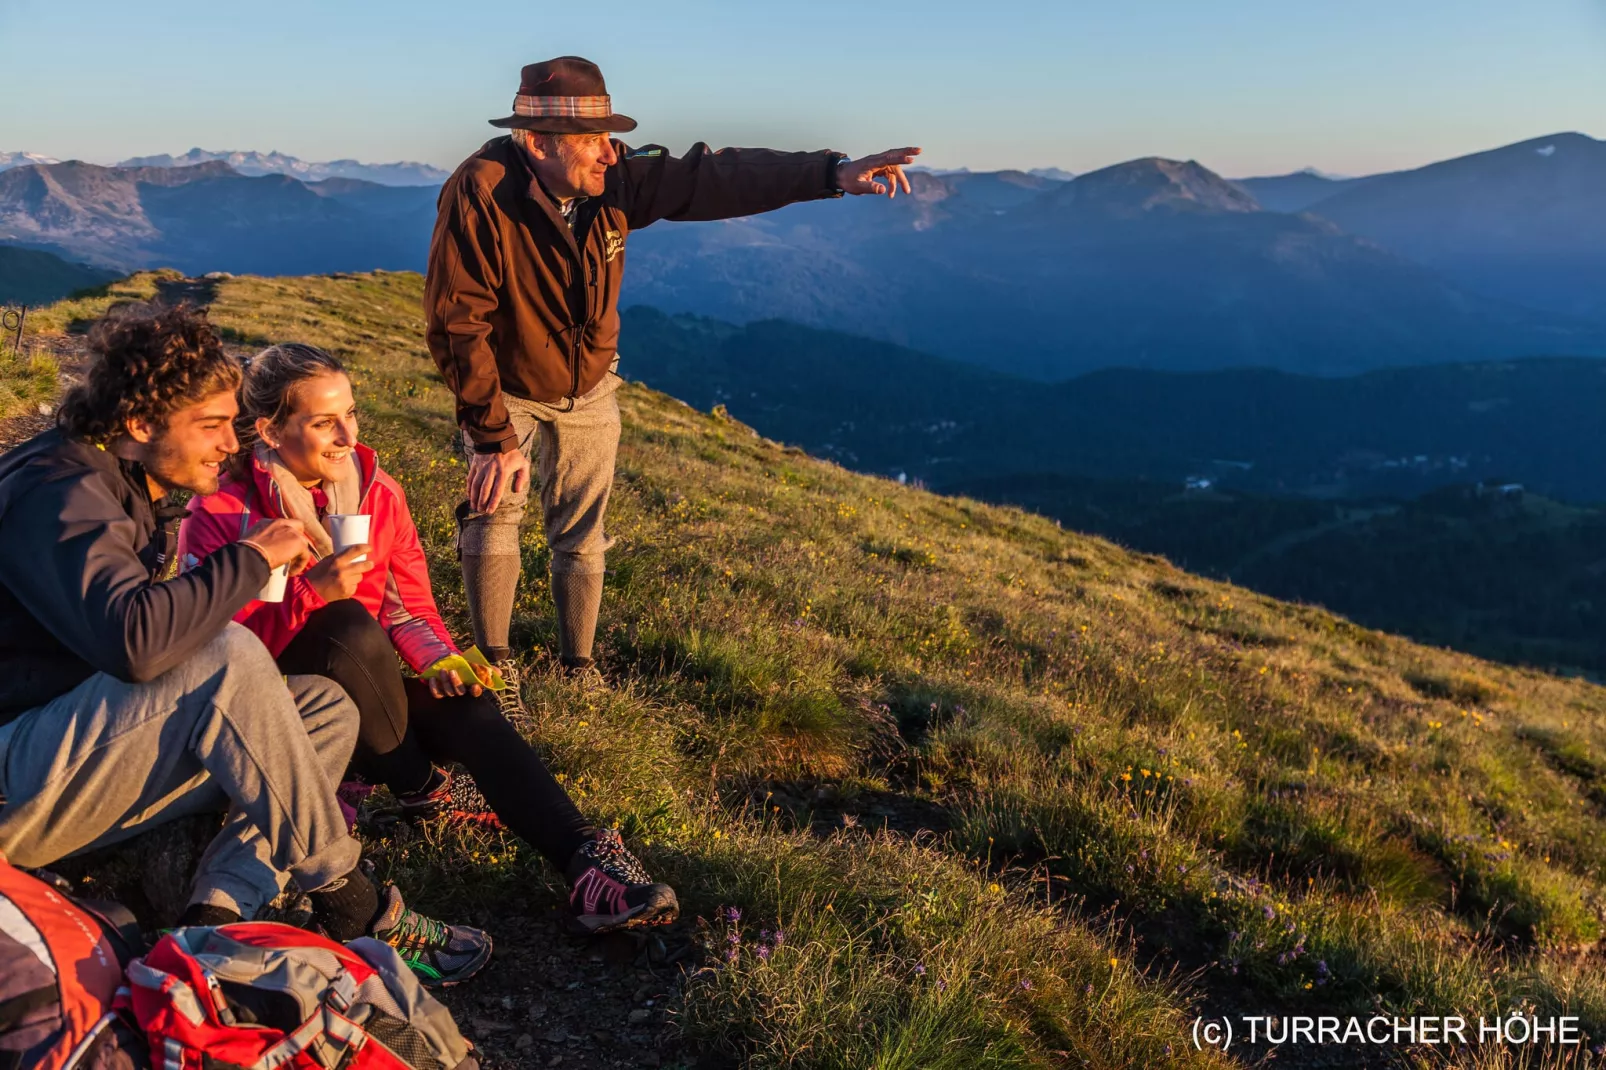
column 27, row 381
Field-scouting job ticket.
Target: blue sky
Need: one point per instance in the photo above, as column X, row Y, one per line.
column 1244, row 86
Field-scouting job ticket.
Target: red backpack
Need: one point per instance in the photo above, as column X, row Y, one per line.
column 265, row 996
column 59, row 975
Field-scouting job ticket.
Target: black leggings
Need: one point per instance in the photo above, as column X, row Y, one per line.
column 404, row 728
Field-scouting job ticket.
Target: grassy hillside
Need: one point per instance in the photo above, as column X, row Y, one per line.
column 1115, row 795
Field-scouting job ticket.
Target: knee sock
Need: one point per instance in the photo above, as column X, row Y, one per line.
column 347, row 907
column 491, row 582
column 578, row 597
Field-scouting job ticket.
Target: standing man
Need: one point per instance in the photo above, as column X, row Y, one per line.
column 522, row 308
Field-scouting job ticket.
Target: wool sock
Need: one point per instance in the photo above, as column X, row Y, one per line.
column 491, row 582
column 347, row 907
column 578, row 597
column 206, row 914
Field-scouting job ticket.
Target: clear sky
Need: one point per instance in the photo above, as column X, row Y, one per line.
column 1243, row 86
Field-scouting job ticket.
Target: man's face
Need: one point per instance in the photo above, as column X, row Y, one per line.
column 573, row 165
column 188, row 452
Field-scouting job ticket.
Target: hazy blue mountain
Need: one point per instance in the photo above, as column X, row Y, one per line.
column 1525, row 223
column 209, row 217
column 1293, row 192
column 35, row 277
column 1151, row 263
column 884, row 408
column 256, row 164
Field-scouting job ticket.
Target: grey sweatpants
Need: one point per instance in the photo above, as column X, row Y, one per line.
column 110, row 759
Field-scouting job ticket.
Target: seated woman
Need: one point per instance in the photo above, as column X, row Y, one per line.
column 350, row 614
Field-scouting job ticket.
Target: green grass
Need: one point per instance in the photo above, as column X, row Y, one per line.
column 27, row 380
column 1153, row 787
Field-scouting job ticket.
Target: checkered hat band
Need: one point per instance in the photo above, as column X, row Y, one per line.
column 566, row 107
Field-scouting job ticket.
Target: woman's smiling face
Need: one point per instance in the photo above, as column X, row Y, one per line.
column 316, row 438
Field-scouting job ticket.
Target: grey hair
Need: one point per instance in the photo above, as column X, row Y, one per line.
column 270, row 377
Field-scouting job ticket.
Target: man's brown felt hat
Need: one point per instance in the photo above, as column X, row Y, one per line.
column 564, row 96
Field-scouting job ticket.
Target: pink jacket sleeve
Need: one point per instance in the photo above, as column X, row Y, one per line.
column 214, row 522
column 408, row 614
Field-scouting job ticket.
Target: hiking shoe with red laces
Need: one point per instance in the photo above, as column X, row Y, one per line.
column 609, row 888
column 450, row 797
column 440, row 955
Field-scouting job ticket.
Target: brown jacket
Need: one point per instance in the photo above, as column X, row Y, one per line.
column 517, row 302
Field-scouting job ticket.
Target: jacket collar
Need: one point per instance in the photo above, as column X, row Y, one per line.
column 524, row 175
column 265, row 495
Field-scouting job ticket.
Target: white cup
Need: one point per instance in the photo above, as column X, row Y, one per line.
column 348, row 530
column 273, row 591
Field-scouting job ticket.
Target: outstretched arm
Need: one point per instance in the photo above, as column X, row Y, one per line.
column 651, row 184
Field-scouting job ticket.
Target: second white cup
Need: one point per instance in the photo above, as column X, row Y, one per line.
column 348, row 530
column 273, row 590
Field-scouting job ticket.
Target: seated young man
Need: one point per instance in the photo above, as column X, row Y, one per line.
column 127, row 695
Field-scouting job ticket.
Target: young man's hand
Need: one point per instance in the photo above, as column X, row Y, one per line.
column 282, row 542
column 859, row 176
column 337, row 577
column 490, row 475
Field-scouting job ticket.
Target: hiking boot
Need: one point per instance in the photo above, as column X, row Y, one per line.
column 441, row 955
column 451, row 797
column 510, row 700
column 584, row 674
column 609, row 888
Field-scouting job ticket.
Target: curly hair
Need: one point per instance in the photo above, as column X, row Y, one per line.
column 146, row 362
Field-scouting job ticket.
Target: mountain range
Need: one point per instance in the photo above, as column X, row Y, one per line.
column 9, row 160
column 209, row 217
column 886, row 409
column 1153, row 263
column 256, row 164
column 1163, row 264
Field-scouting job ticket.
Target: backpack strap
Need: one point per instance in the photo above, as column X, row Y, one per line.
column 119, row 925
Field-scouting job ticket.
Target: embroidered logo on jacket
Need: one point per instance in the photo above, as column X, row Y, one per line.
column 613, row 244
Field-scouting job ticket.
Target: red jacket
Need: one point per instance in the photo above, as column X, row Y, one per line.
column 396, row 590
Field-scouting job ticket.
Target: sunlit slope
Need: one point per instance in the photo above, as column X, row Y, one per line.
column 1316, row 816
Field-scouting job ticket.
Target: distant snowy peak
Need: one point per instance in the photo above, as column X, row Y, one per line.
column 1058, row 174
column 8, row 160
column 404, row 173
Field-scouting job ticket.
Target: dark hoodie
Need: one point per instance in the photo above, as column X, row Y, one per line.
column 82, row 552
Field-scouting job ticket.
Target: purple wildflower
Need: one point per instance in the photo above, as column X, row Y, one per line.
column 733, row 914
column 764, row 952
column 920, row 969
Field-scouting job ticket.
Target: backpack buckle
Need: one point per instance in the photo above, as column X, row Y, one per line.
column 342, row 992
